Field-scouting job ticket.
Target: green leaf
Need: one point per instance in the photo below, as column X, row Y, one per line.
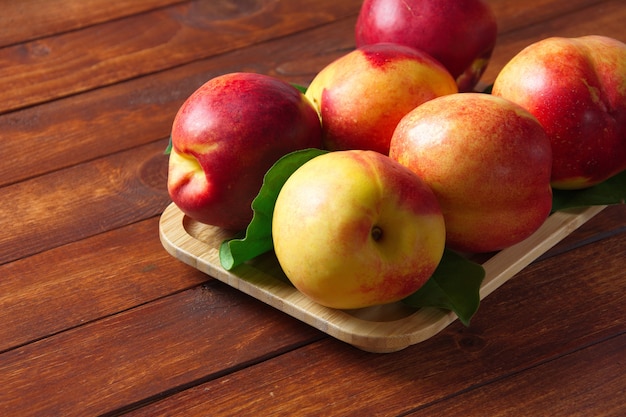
column 611, row 191
column 258, row 236
column 168, row 150
column 300, row 87
column 454, row 286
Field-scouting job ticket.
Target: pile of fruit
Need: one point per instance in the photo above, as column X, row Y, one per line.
column 411, row 161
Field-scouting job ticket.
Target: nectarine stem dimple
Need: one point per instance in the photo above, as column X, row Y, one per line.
column 377, row 233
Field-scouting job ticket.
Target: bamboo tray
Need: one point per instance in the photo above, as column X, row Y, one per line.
column 380, row 329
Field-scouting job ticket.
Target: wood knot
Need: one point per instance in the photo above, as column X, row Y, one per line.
column 470, row 342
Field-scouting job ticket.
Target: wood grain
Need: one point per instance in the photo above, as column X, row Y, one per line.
column 594, row 230
column 82, row 201
column 387, row 328
column 146, row 43
column 86, row 280
column 517, row 328
column 578, row 384
column 152, row 349
column 598, row 19
column 162, row 340
column 31, row 19
column 97, row 319
column 514, row 16
column 141, row 110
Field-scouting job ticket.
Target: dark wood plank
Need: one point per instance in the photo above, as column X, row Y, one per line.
column 583, row 383
column 141, row 110
column 69, row 131
column 86, row 332
column 62, row 65
column 31, row 19
column 552, row 309
column 95, row 223
column 602, row 18
column 84, row 281
column 611, row 221
column 88, row 275
column 103, row 121
column 82, row 201
column 512, row 16
column 159, row 347
column 14, row 244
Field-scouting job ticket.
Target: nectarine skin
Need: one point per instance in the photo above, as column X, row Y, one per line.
column 488, row 162
column 226, row 136
column 363, row 95
column 354, row 229
column 459, row 34
column 576, row 87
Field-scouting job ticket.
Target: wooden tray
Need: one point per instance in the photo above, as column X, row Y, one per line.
column 380, row 329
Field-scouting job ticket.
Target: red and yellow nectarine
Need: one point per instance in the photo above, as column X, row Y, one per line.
column 488, row 162
column 226, row 136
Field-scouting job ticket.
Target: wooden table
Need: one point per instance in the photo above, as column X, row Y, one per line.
column 96, row 318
